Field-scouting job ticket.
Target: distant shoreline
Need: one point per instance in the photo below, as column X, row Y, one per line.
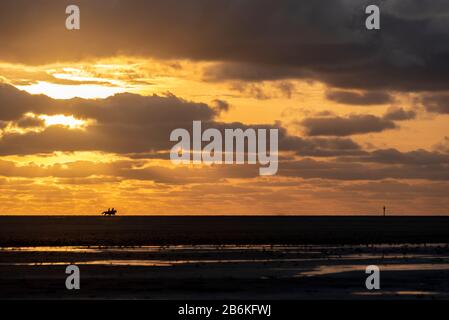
column 172, row 230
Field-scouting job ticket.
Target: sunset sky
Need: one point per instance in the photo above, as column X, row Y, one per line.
column 86, row 115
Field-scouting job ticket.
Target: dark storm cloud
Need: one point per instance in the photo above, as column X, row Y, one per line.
column 438, row 102
column 124, row 123
column 409, row 53
column 15, row 103
column 310, row 168
column 198, row 29
column 132, row 124
column 306, row 168
column 118, row 169
column 262, row 91
column 340, row 126
column 30, row 122
column 392, row 156
column 253, row 72
column 320, row 147
column 220, row 105
column 139, row 127
column 327, row 124
column 250, row 40
column 399, row 114
column 123, row 108
column 356, row 98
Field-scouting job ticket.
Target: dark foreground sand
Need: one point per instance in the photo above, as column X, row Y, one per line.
column 226, row 272
column 315, row 258
column 32, row 231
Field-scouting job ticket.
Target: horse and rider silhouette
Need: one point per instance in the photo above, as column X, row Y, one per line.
column 110, row 212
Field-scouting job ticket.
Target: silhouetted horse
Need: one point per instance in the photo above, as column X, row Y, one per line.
column 109, row 212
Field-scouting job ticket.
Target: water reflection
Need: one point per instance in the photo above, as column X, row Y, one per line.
column 319, row 269
column 319, row 259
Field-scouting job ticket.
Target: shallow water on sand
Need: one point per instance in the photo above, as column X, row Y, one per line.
column 330, row 259
column 271, row 271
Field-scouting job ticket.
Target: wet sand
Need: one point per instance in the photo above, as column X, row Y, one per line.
column 135, row 230
column 226, row 272
column 205, row 264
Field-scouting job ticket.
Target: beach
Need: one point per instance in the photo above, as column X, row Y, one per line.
column 165, row 230
column 224, row 257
